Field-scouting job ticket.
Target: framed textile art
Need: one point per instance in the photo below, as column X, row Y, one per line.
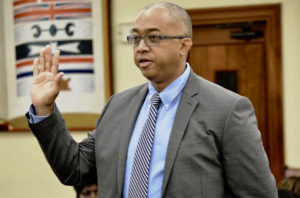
column 79, row 30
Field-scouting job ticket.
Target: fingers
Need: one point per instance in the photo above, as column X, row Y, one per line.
column 54, row 68
column 42, row 61
column 45, row 59
column 55, row 62
column 35, row 67
column 45, row 62
column 48, row 58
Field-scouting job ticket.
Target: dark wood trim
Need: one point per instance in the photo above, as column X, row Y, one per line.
column 271, row 14
column 4, row 126
column 106, row 10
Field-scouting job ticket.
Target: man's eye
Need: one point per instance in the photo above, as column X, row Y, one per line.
column 154, row 38
column 86, row 193
column 136, row 38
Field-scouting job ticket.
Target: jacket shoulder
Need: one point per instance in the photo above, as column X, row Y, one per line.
column 212, row 91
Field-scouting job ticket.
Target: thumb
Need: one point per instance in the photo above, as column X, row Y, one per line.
column 58, row 77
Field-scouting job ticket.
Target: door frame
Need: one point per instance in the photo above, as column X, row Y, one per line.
column 271, row 14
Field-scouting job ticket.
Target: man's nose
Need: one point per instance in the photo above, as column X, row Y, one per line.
column 94, row 195
column 142, row 46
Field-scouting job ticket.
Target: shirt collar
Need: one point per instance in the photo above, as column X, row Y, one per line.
column 172, row 91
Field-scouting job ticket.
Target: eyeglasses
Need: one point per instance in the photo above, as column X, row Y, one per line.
column 151, row 39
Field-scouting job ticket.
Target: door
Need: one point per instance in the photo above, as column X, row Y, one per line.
column 235, row 65
column 235, row 53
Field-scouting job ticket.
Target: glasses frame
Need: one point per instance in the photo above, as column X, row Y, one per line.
column 147, row 40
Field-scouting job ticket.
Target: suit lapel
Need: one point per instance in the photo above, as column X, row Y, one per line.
column 186, row 106
column 133, row 110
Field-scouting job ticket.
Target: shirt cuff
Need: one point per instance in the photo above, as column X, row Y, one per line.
column 33, row 117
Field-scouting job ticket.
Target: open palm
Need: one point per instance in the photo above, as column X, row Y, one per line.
column 45, row 85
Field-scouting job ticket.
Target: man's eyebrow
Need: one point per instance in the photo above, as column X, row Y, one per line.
column 135, row 30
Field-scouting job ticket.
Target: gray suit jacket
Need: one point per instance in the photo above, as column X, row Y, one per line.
column 215, row 149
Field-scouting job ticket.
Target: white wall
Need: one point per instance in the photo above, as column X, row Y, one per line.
column 24, row 171
column 3, row 101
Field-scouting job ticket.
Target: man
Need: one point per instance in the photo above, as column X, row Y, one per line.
column 89, row 190
column 206, row 142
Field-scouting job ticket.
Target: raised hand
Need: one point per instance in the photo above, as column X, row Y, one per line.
column 45, row 85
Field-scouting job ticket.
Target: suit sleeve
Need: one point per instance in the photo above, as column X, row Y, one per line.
column 72, row 162
column 246, row 164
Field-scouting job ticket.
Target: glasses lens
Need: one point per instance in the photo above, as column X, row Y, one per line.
column 150, row 40
column 153, row 39
column 133, row 39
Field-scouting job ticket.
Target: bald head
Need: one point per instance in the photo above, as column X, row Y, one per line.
column 177, row 13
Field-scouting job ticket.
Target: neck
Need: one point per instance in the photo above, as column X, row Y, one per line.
column 161, row 85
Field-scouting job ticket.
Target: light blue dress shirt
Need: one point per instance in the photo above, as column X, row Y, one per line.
column 33, row 118
column 170, row 97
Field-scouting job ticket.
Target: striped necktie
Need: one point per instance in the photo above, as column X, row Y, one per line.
column 138, row 186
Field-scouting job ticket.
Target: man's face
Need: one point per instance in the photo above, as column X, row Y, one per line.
column 161, row 64
column 89, row 192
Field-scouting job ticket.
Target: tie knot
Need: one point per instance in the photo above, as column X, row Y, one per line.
column 155, row 100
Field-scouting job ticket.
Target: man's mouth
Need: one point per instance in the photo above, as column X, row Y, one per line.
column 144, row 62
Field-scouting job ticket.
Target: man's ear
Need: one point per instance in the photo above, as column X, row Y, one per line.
column 186, row 45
